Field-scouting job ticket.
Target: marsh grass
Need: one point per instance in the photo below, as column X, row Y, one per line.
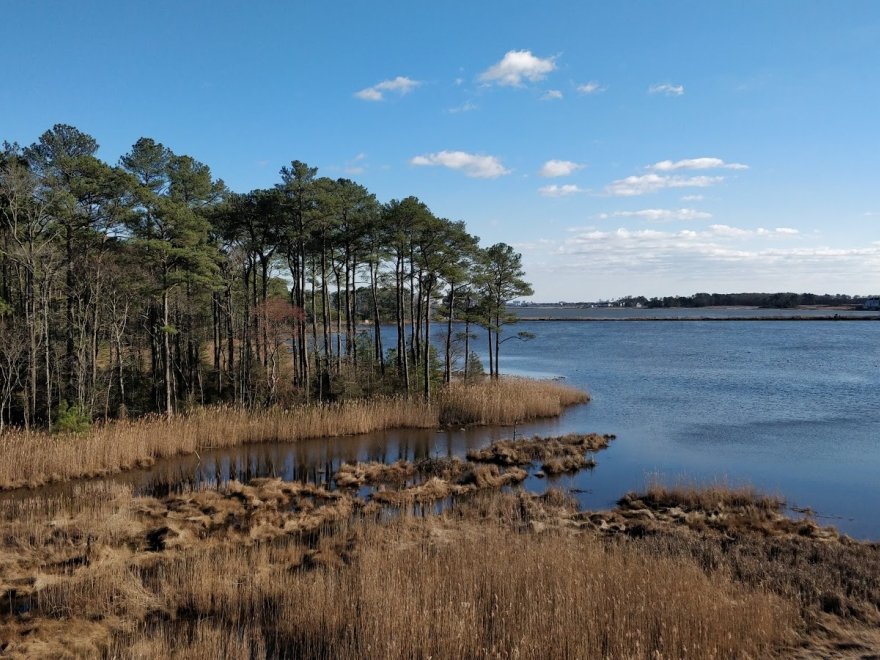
column 34, row 458
column 506, row 401
column 477, row 582
column 565, row 453
column 709, row 497
column 746, row 534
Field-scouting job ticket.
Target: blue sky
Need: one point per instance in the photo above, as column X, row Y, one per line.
column 651, row 148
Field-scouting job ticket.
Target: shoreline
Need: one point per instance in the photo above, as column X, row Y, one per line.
column 38, row 458
column 588, row 319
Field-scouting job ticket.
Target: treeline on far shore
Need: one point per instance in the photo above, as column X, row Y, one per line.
column 782, row 300
column 147, row 286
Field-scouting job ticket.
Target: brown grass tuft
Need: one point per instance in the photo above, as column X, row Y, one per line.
column 506, row 401
column 697, row 497
column 560, row 454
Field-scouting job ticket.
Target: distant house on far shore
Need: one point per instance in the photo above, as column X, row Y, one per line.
column 872, row 304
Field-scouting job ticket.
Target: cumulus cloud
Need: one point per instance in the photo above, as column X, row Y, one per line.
column 666, row 89
column 658, row 215
column 696, row 164
column 719, row 252
column 552, row 95
column 400, row 85
column 648, row 183
column 473, row 165
column 591, row 87
column 559, row 168
column 714, row 235
column 688, row 251
column 559, row 191
column 717, row 257
column 516, row 66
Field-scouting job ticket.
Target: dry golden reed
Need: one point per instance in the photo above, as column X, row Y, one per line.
column 444, row 586
column 35, row 458
column 506, row 401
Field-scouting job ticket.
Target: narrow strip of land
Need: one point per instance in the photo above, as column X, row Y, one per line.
column 701, row 318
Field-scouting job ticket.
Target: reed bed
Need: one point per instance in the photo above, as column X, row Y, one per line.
column 445, row 586
column 506, row 401
column 708, row 497
column 34, row 458
column 473, row 593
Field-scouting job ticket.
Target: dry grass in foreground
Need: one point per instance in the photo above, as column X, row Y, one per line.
column 281, row 570
column 35, row 458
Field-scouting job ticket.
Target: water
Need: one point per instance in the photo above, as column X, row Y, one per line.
column 790, row 407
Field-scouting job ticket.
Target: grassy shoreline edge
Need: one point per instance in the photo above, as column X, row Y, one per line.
column 32, row 459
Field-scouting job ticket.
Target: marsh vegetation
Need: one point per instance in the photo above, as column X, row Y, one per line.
column 32, row 458
column 282, row 569
column 286, row 569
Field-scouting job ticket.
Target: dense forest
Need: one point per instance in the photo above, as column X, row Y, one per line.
column 148, row 286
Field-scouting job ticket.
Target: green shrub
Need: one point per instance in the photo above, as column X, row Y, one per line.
column 71, row 419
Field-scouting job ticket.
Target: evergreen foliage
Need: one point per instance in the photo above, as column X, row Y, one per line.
column 149, row 287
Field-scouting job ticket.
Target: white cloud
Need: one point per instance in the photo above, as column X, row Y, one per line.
column 714, row 236
column 592, row 262
column 356, row 164
column 551, row 95
column 696, row 164
column 369, row 94
column 692, row 198
column 467, row 106
column 517, row 65
column 559, row 191
column 688, row 251
column 559, row 168
column 666, row 89
column 648, row 183
column 473, row 165
column 401, row 85
column 591, row 87
column 656, row 215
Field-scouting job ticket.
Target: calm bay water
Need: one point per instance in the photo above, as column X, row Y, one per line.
column 790, row 407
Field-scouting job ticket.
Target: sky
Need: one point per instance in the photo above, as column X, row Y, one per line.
column 625, row 148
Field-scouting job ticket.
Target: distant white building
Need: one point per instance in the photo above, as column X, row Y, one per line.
column 872, row 304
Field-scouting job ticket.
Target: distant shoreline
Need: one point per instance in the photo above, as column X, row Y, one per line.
column 701, row 318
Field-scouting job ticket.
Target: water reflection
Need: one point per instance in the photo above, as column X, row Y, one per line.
column 314, row 460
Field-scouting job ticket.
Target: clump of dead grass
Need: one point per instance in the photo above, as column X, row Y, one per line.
column 559, row 454
column 506, row 401
column 460, row 479
column 703, row 497
column 357, row 474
